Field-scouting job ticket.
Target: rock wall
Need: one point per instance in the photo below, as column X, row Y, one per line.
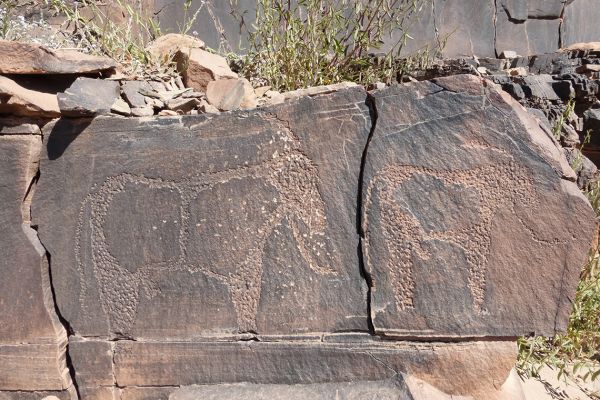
column 483, row 28
column 391, row 243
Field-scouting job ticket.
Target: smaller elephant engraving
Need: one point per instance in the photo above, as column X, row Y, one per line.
column 405, row 233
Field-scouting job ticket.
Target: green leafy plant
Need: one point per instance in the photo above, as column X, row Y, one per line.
column 317, row 42
column 577, row 162
column 576, row 353
column 566, row 114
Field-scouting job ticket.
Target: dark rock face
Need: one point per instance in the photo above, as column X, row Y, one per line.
column 578, row 25
column 32, row 341
column 468, row 25
column 483, row 28
column 236, row 248
column 454, row 215
column 196, row 227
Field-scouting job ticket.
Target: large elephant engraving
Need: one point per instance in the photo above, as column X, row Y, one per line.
column 252, row 201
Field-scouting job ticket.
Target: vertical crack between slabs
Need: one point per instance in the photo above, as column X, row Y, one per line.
column 561, row 23
column 495, row 22
column 52, row 295
column 370, row 102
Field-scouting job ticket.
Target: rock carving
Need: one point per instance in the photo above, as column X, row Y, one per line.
column 293, row 176
column 500, row 185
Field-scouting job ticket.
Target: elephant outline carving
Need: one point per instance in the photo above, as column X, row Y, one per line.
column 290, row 172
column 503, row 184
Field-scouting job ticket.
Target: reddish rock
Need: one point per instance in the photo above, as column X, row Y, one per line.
column 32, row 340
column 231, row 94
column 199, row 67
column 28, row 58
column 165, row 47
column 17, row 100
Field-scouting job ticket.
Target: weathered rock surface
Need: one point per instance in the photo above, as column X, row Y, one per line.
column 236, row 248
column 534, row 36
column 17, row 100
column 197, row 227
column 131, row 92
column 468, row 26
column 477, row 368
column 231, row 94
column 18, row 126
column 455, row 264
column 397, row 388
column 578, row 23
column 32, row 340
column 28, row 58
column 88, row 97
column 199, row 67
column 165, row 47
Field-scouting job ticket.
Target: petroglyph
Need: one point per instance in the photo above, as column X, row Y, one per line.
column 289, row 173
column 496, row 186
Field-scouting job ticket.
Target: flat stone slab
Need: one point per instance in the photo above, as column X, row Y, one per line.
column 89, row 97
column 29, row 58
column 32, row 341
column 18, row 100
column 348, row 390
column 475, row 368
column 472, row 224
column 208, row 226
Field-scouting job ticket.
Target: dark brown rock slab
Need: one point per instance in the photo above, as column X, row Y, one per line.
column 92, row 362
column 89, row 97
column 29, row 58
column 474, row 368
column 472, row 224
column 32, row 340
column 207, row 226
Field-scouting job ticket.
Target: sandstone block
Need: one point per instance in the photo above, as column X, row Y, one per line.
column 231, row 94
column 199, row 67
column 462, row 262
column 32, row 340
column 166, row 46
column 17, row 100
column 195, row 227
column 28, row 58
column 476, row 369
